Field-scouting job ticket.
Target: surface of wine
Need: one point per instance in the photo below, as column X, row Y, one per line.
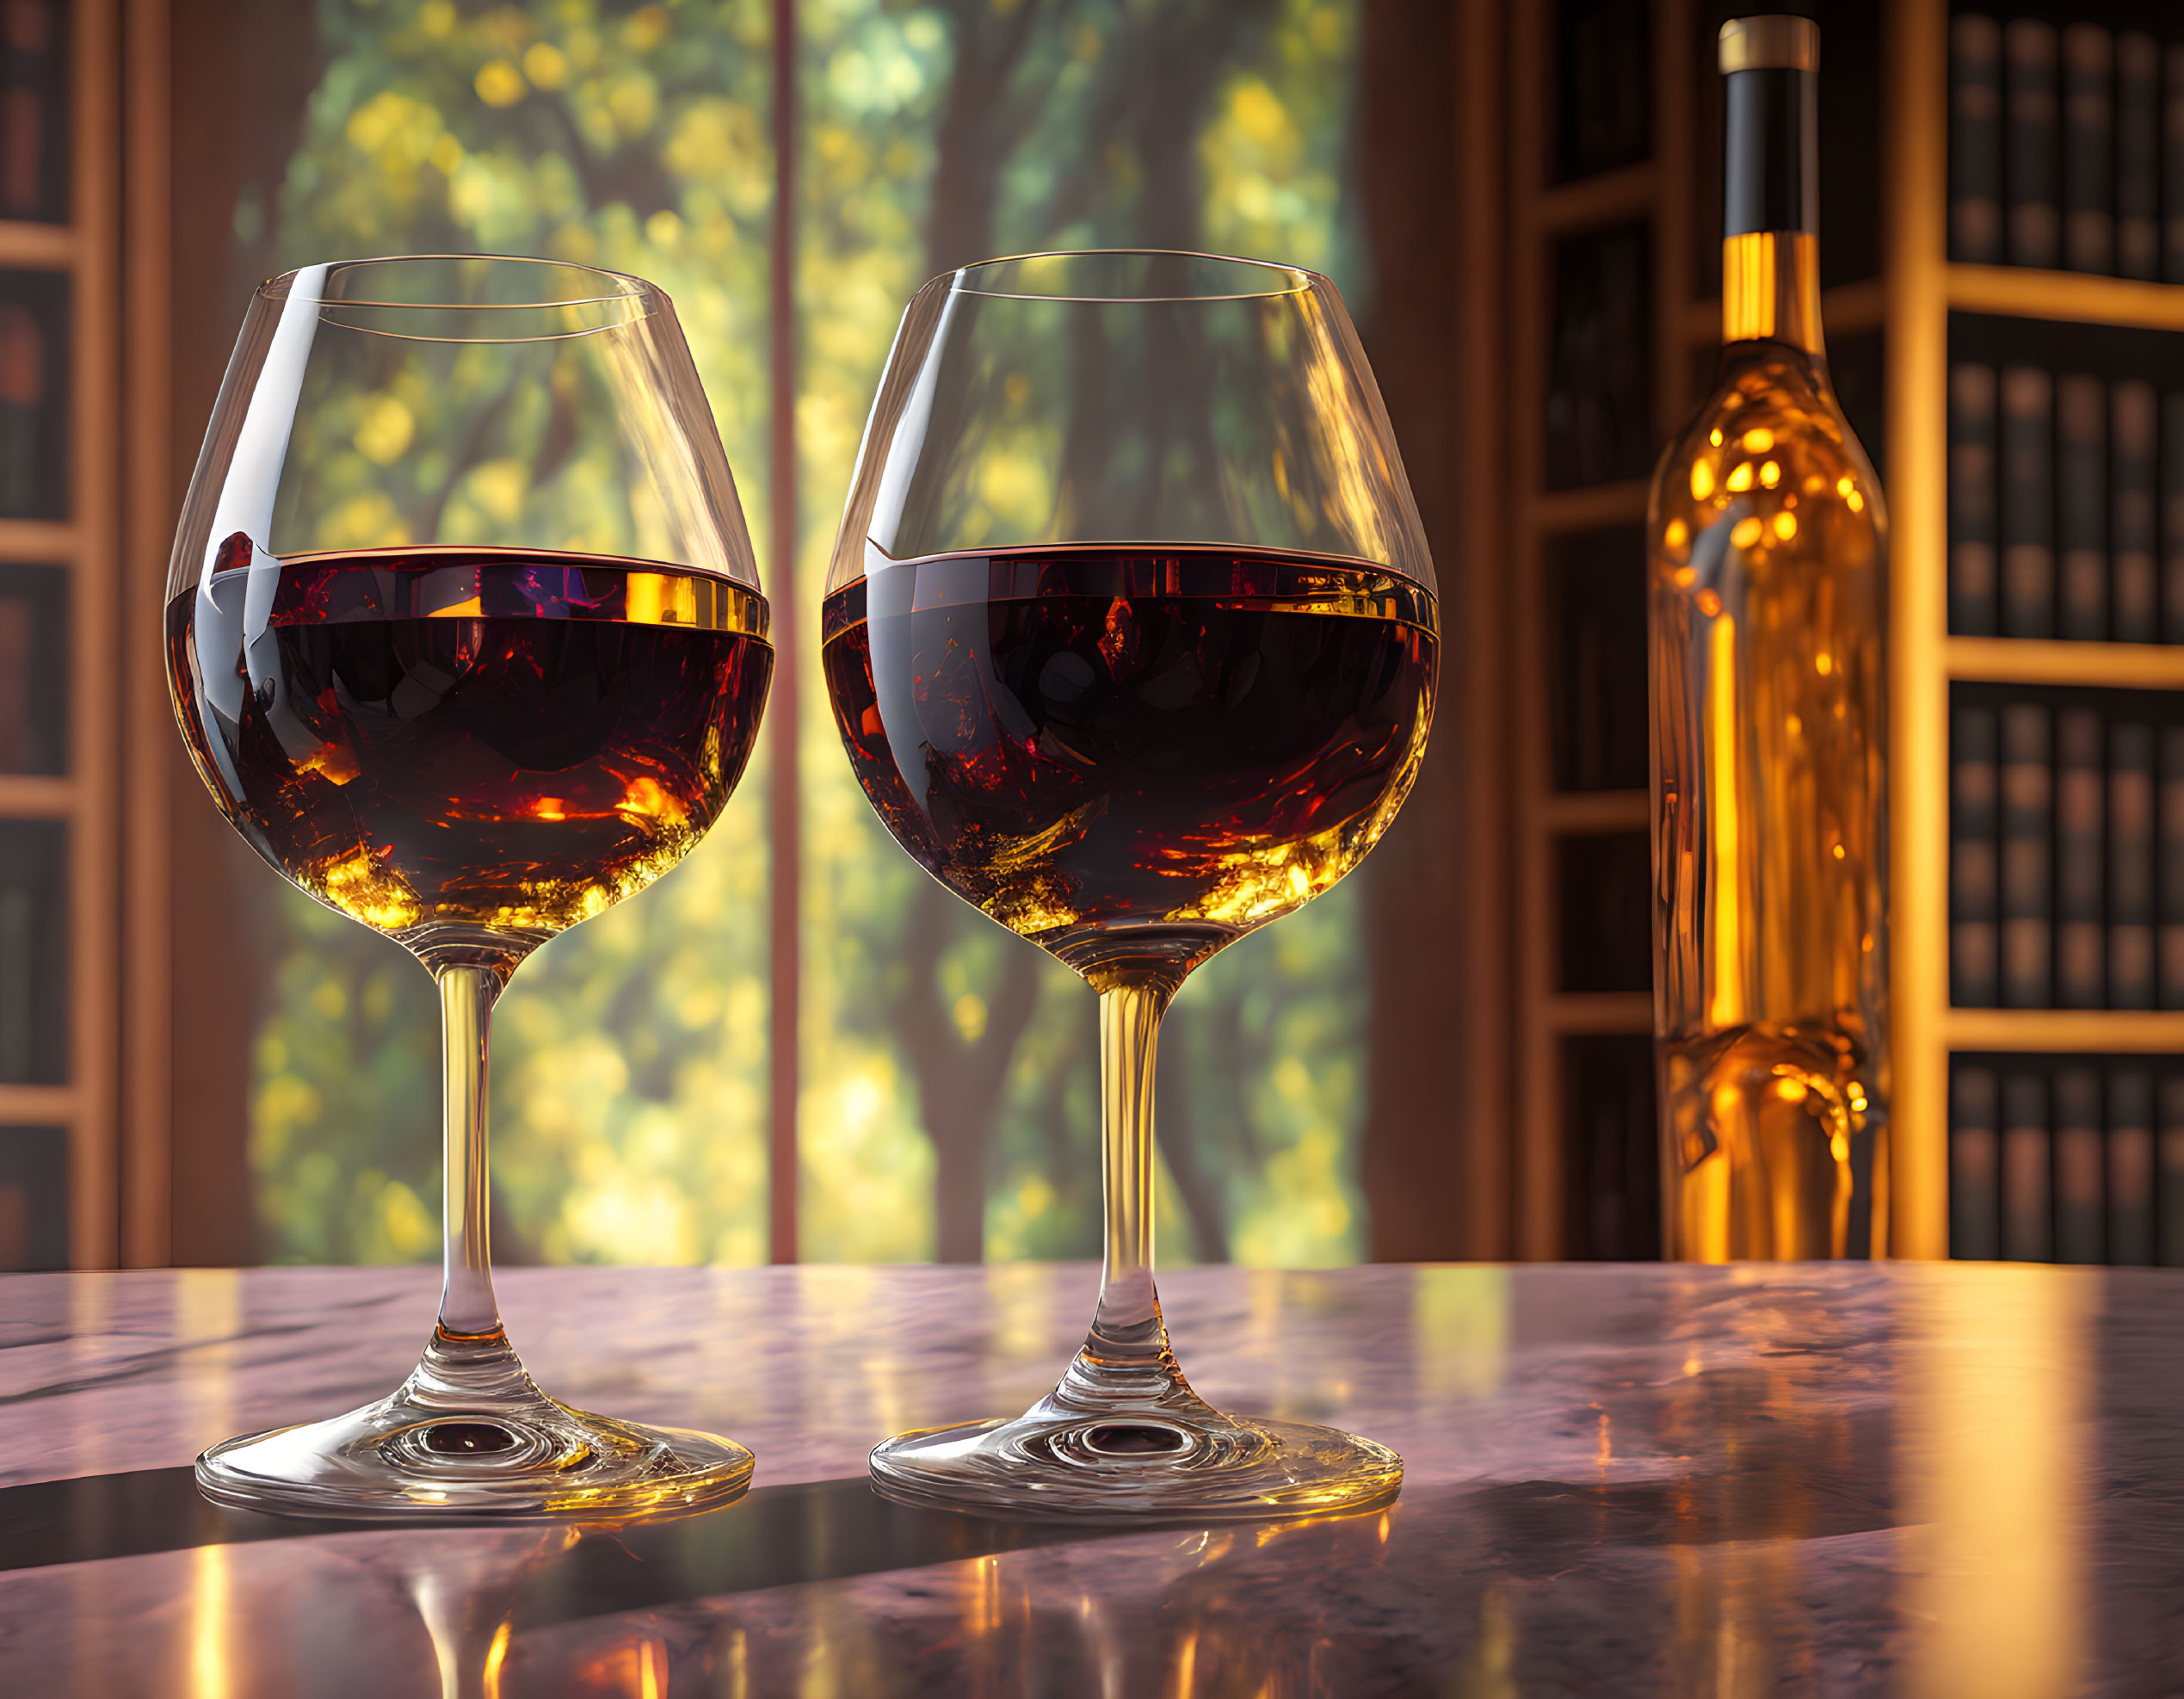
column 1133, row 755
column 442, row 741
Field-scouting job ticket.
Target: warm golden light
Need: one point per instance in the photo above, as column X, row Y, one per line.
column 1770, row 290
column 209, row 1590
column 1994, row 1468
column 1724, row 896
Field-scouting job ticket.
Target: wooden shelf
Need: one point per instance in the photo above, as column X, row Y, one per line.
column 1591, row 811
column 1592, row 203
column 25, row 796
column 2124, row 1029
column 37, row 247
column 1558, row 512
column 1571, row 1013
column 2025, row 660
column 37, row 542
column 2072, row 297
column 37, row 1105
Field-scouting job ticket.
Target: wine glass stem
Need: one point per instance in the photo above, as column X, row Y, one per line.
column 1127, row 1328
column 467, row 1305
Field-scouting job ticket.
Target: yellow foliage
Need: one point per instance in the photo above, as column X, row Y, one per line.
column 500, row 83
column 386, row 430
column 545, row 65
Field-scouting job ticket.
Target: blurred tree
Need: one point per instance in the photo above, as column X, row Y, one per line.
column 629, row 1074
column 630, row 1055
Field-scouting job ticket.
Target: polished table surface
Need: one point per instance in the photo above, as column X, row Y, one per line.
column 1791, row 1479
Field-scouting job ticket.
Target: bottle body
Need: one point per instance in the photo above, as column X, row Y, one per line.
column 1766, row 543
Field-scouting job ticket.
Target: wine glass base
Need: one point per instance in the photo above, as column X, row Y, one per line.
column 480, row 1442
column 1158, row 1464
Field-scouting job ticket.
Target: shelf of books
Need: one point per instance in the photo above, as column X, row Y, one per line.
column 1595, row 376
column 1615, row 316
column 2036, row 417
column 59, row 677
column 2003, row 313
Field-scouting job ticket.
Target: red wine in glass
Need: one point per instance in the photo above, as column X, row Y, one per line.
column 1131, row 638
column 1133, row 756
column 437, row 739
column 415, row 671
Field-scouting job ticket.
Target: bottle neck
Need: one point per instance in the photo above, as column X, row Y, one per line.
column 1771, row 208
column 1770, row 289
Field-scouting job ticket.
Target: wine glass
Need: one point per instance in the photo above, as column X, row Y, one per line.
column 464, row 634
column 1131, row 637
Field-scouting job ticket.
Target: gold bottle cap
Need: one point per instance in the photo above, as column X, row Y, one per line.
column 1771, row 43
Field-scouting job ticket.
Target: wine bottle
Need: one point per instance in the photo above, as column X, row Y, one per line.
column 1767, row 542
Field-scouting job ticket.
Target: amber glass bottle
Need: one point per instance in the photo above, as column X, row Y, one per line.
column 1766, row 551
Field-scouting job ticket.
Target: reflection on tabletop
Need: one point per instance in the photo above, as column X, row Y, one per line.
column 1803, row 1478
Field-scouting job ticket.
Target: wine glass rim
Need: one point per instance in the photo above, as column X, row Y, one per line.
column 627, row 287
column 1299, row 279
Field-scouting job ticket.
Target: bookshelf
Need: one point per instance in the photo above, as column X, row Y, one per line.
column 1586, row 1179
column 63, row 952
column 1925, row 287
column 1889, row 307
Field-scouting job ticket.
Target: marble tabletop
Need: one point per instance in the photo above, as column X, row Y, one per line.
column 1798, row 1479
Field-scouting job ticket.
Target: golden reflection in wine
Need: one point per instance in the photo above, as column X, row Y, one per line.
column 1767, row 542
column 1992, row 1466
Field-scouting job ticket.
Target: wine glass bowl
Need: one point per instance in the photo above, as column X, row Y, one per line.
column 464, row 636
column 1131, row 638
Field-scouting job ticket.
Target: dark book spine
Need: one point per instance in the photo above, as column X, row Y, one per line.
column 2029, row 143
column 2168, row 874
column 2168, row 1183
column 30, row 74
column 2134, row 602
column 2082, row 507
column 2139, row 98
column 2026, row 805
column 1973, row 887
column 2173, row 163
column 35, row 963
column 2131, row 1166
column 20, row 900
column 2080, row 944
column 18, row 725
column 2171, row 511
column 2027, row 1189
column 2027, row 500
column 2131, row 866
column 1972, row 501
column 1975, row 1193
column 1975, row 139
column 2080, row 1185
column 26, row 419
column 2088, row 133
